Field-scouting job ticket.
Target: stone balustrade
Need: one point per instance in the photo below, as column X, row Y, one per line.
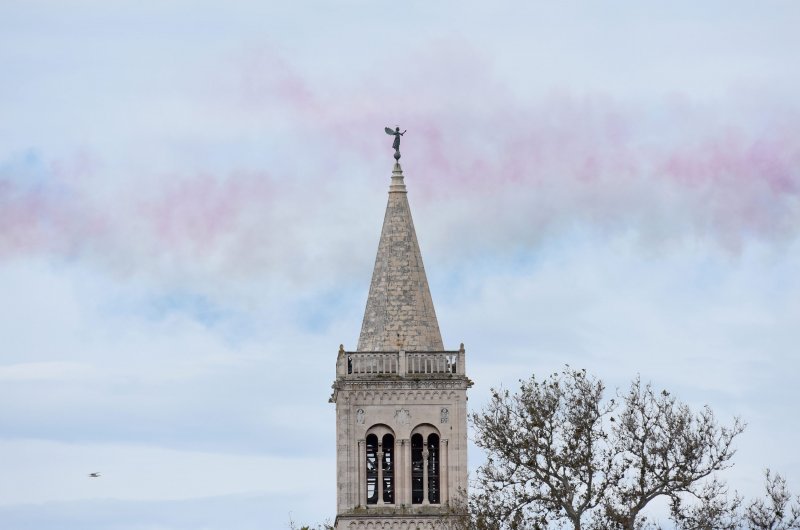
column 400, row 363
column 431, row 363
column 369, row 363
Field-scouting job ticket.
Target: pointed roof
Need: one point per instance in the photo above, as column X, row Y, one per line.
column 399, row 313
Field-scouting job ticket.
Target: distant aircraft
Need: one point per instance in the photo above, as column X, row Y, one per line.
column 95, row 474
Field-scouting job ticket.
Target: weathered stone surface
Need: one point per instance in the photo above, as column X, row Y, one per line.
column 399, row 313
column 381, row 401
column 399, row 382
column 397, row 523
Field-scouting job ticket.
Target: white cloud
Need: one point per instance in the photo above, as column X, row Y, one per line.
column 46, row 471
column 54, row 371
column 194, row 233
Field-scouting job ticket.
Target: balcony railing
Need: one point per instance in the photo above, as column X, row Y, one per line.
column 432, row 363
column 372, row 363
column 400, row 363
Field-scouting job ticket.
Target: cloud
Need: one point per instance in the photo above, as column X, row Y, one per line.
column 726, row 191
column 188, row 225
column 44, row 371
column 150, row 487
column 139, row 472
column 483, row 165
column 245, row 512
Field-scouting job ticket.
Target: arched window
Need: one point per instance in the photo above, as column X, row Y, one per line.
column 417, row 469
column 372, row 469
column 379, row 465
column 433, row 469
column 425, row 465
column 388, row 468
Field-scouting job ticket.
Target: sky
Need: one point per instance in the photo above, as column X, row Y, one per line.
column 191, row 195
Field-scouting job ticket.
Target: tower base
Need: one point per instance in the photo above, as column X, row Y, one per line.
column 399, row 522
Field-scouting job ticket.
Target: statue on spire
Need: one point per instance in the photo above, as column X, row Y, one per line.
column 396, row 144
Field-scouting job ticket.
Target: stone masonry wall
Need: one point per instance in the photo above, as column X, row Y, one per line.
column 399, row 313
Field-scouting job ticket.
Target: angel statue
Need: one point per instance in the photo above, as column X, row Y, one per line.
column 396, row 144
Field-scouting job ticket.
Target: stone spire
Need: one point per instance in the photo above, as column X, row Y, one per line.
column 399, row 313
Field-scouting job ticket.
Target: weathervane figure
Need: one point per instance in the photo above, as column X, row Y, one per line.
column 396, row 144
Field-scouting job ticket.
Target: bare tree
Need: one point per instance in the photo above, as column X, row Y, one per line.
column 716, row 509
column 321, row 526
column 777, row 510
column 558, row 453
column 548, row 456
column 665, row 449
column 710, row 507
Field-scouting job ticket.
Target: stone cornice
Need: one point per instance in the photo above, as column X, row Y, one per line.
column 379, row 386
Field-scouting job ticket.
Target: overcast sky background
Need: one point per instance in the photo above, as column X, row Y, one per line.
column 191, row 195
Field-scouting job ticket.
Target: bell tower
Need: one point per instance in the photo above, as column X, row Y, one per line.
column 401, row 398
